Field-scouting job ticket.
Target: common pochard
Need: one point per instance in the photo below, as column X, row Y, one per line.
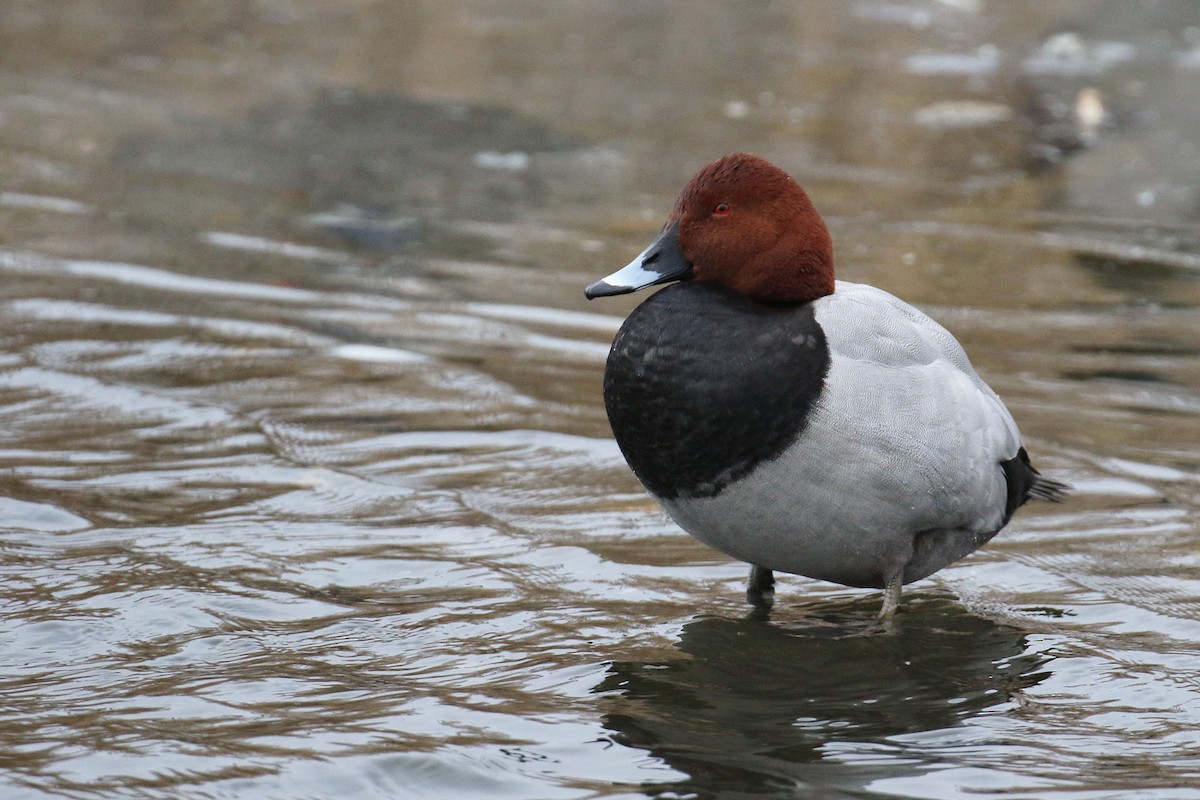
column 798, row 423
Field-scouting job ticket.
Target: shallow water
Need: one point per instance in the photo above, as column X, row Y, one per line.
column 307, row 487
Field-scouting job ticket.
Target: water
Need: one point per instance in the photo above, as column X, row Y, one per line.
column 307, row 488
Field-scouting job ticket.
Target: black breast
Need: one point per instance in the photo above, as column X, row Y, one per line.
column 702, row 385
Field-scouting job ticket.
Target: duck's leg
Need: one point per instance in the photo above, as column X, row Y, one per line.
column 891, row 597
column 760, row 591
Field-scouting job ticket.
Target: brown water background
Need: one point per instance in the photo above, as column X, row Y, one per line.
column 307, row 488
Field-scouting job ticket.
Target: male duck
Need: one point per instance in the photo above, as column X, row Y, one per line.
column 799, row 423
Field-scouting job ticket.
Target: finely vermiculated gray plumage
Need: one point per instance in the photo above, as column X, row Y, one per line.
column 896, row 471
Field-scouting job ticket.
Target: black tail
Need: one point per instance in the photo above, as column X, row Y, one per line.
column 1048, row 489
column 1024, row 482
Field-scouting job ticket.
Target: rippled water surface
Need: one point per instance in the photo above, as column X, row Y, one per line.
column 307, row 486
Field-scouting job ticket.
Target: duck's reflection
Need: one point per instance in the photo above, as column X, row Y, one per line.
column 755, row 706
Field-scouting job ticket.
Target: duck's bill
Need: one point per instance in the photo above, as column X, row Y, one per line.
column 661, row 262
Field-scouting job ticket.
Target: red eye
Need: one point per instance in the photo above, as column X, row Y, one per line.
column 720, row 209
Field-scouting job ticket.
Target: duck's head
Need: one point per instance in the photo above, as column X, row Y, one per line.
column 741, row 223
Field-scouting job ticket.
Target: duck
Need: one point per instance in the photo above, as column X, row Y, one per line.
column 797, row 422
